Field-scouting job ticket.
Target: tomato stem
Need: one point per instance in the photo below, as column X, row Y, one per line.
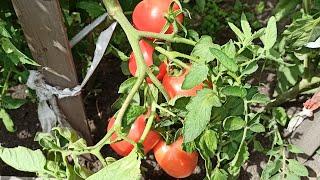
column 149, row 123
column 167, row 37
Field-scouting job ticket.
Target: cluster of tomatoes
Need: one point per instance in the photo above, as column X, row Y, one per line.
column 149, row 15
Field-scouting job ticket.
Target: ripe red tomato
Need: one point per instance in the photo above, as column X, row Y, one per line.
column 148, row 15
column 147, row 51
column 174, row 160
column 123, row 148
column 173, row 84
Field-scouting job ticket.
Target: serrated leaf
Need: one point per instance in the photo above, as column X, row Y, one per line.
column 230, row 49
column 260, row 98
column 201, row 49
column 208, row 142
column 233, row 123
column 295, row 149
column 92, row 8
column 7, row 121
column 279, row 113
column 197, row 74
column 10, row 103
column 250, row 68
column 219, row 175
column 234, row 91
column 240, row 158
column 14, row 54
column 270, row 36
column 225, row 60
column 297, row 168
column 24, row 159
column 271, row 169
column 257, row 127
column 199, row 113
column 127, row 168
column 132, row 113
column 245, row 26
column 127, row 85
column 237, row 31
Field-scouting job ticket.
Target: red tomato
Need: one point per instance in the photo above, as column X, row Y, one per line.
column 174, row 160
column 148, row 15
column 123, row 148
column 173, row 84
column 147, row 51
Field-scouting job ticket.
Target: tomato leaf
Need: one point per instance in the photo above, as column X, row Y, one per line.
column 237, row 31
column 202, row 49
column 295, row 149
column 219, row 174
column 270, row 36
column 260, row 98
column 297, row 168
column 198, row 73
column 245, row 26
column 23, row 159
column 279, row 113
column 250, row 68
column 225, row 60
column 127, row 85
column 127, row 168
column 270, row 169
column 199, row 112
column 7, row 121
column 233, row 123
column 132, row 113
column 241, row 156
column 92, row 8
column 234, row 91
column 208, row 142
column 257, row 127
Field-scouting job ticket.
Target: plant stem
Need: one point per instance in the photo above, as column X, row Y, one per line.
column 157, row 83
column 149, row 123
column 174, row 54
column 167, row 37
column 302, row 86
column 165, row 110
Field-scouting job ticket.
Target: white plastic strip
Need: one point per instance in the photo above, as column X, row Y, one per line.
column 297, row 119
column 77, row 38
column 314, row 45
column 48, row 111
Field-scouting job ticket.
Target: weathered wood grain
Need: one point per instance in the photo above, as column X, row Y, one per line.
column 43, row 27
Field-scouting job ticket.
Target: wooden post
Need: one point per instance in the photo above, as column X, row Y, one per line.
column 42, row 24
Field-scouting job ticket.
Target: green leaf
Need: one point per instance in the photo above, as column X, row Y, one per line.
column 292, row 177
column 14, row 54
column 10, row 103
column 7, row 121
column 250, row 68
column 240, row 158
column 92, row 8
column 245, row 26
column 270, row 36
column 297, row 168
column 284, row 7
column 225, row 60
column 295, row 149
column 24, row 159
column 68, row 133
column 257, row 127
column 257, row 146
column 233, row 123
column 234, row 91
column 260, row 98
column 199, row 113
column 127, row 168
column 271, row 169
column 237, row 31
column 230, row 49
column 202, row 49
column 197, row 74
column 132, row 113
column 219, row 174
column 208, row 142
column 4, row 32
column 279, row 113
column 127, row 85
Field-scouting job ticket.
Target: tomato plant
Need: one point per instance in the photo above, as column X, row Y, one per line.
column 150, row 15
column 173, row 85
column 174, row 160
column 215, row 104
column 147, row 51
column 123, row 148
